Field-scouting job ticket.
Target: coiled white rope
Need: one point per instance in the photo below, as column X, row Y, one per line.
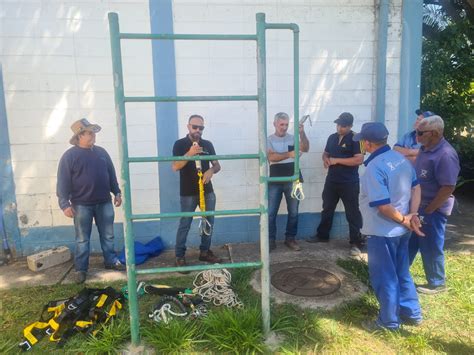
column 214, row 286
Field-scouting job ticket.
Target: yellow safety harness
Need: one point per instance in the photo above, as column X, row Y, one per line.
column 82, row 313
column 205, row 228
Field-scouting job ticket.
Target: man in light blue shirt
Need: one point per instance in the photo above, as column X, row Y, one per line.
column 407, row 144
column 389, row 199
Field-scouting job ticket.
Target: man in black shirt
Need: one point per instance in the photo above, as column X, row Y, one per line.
column 342, row 157
column 192, row 145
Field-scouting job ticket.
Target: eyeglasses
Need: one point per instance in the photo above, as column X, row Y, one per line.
column 201, row 128
column 420, row 133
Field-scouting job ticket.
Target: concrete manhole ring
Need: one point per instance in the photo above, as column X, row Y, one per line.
column 306, row 281
column 334, row 284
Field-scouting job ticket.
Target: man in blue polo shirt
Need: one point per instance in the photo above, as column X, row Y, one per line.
column 342, row 158
column 389, row 200
column 437, row 168
column 408, row 145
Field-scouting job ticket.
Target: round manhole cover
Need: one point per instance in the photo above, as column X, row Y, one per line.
column 306, row 281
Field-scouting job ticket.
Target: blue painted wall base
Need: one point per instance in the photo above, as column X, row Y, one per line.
column 227, row 230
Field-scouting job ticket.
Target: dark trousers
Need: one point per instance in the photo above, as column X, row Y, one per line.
column 349, row 194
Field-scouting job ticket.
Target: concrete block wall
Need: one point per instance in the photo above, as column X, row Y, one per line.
column 57, row 68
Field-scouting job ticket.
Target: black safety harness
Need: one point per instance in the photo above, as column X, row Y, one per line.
column 82, row 313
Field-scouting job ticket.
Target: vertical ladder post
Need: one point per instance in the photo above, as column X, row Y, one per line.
column 263, row 164
column 296, row 93
column 125, row 174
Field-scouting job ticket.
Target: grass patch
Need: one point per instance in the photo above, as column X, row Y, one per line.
column 448, row 326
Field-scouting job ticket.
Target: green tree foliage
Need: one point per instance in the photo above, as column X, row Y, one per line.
column 447, row 82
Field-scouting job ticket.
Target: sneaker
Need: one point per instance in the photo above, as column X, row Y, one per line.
column 272, row 245
column 292, row 244
column 79, row 277
column 181, row 262
column 209, row 257
column 430, row 289
column 316, row 239
column 372, row 326
column 117, row 266
column 414, row 322
column 355, row 251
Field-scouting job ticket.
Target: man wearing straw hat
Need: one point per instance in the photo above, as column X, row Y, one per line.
column 86, row 177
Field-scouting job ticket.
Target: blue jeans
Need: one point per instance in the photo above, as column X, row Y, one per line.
column 431, row 247
column 390, row 277
column 103, row 214
column 189, row 204
column 275, row 193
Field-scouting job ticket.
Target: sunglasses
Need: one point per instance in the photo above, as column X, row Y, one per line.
column 420, row 133
column 201, row 128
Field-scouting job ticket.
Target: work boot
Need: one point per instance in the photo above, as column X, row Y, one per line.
column 430, row 289
column 316, row 239
column 208, row 256
column 292, row 244
column 355, row 251
column 117, row 266
column 181, row 261
column 272, row 245
column 79, row 277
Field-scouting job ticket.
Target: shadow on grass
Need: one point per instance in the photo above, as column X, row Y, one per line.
column 407, row 338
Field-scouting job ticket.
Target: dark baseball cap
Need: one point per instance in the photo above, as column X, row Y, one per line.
column 372, row 132
column 425, row 113
column 345, row 119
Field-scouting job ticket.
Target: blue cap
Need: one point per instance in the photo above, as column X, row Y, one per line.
column 424, row 113
column 372, row 132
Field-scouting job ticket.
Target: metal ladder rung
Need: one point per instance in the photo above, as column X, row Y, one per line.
column 252, row 264
column 189, row 98
column 195, row 214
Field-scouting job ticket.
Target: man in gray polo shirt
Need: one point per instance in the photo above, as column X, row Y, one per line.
column 281, row 156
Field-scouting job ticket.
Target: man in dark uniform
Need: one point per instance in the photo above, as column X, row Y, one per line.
column 192, row 145
column 342, row 157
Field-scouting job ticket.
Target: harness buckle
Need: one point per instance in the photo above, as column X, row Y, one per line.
column 25, row 345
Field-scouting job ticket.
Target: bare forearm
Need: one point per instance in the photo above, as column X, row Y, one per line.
column 353, row 161
column 440, row 198
column 304, row 143
column 216, row 167
column 391, row 213
column 415, row 199
column 276, row 157
column 178, row 165
column 406, row 151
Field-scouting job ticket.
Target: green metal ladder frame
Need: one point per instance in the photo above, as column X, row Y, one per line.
column 120, row 99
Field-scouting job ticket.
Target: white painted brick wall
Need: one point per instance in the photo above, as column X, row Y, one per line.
column 57, row 68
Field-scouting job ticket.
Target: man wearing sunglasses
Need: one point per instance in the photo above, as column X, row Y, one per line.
column 408, row 145
column 437, row 168
column 86, row 178
column 192, row 145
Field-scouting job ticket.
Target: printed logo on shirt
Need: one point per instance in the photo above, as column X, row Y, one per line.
column 423, row 173
column 393, row 166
